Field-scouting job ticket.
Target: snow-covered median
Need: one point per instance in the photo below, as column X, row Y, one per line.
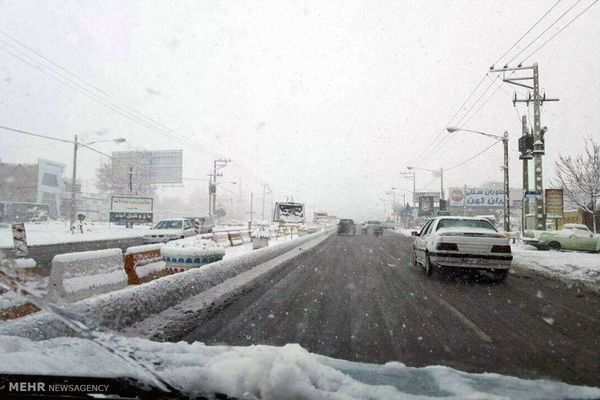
column 266, row 372
column 564, row 265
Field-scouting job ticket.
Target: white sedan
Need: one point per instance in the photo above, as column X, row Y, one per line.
column 462, row 242
column 170, row 229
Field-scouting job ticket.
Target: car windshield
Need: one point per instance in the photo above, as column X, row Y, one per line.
column 170, row 224
column 300, row 199
column 464, row 223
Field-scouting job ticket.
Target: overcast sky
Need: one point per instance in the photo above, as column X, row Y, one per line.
column 326, row 101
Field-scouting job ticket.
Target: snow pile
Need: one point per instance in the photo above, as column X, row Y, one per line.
column 261, row 234
column 193, row 246
column 10, row 299
column 266, row 372
column 570, row 266
column 405, row 231
column 143, row 248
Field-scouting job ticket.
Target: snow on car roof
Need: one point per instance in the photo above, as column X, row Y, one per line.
column 575, row 226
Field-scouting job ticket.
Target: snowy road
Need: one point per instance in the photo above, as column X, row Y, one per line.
column 359, row 298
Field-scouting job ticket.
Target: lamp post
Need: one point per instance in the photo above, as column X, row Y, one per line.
column 504, row 140
column 413, row 176
column 76, row 145
column 439, row 172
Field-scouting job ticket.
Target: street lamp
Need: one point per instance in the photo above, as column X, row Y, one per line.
column 76, row 145
column 504, row 140
column 413, row 176
column 435, row 172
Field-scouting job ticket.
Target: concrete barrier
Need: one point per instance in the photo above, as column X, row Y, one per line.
column 235, row 238
column 143, row 263
column 120, row 309
column 75, row 276
column 221, row 237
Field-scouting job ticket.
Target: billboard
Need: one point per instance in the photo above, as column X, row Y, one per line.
column 151, row 167
column 131, row 209
column 131, row 204
column 477, row 197
column 288, row 212
column 417, row 195
column 426, row 206
column 554, row 203
column 140, row 217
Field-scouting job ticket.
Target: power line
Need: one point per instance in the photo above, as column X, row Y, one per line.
column 450, row 121
column 471, row 158
column 544, row 31
column 561, row 29
column 525, row 34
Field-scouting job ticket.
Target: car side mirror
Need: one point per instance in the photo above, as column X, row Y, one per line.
column 413, row 233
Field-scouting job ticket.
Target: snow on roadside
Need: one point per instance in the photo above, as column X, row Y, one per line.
column 58, row 232
column 405, row 231
column 564, row 265
column 267, row 372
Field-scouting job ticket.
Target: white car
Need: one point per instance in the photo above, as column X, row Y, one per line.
column 462, row 242
column 170, row 229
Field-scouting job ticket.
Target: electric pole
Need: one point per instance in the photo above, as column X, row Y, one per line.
column 525, row 148
column 212, row 185
column 73, row 180
column 538, row 132
column 506, row 184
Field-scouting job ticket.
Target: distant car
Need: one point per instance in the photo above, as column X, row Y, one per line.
column 346, row 226
column 570, row 237
column 462, row 242
column 170, row 229
column 374, row 227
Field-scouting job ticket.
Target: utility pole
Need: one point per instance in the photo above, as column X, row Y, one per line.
column 414, row 179
column 264, row 185
column 506, row 184
column 251, row 210
column 130, row 224
column 73, row 180
column 538, row 132
column 525, row 148
column 212, row 186
column 442, row 194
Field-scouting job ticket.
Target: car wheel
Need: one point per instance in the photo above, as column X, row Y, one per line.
column 554, row 246
column 415, row 262
column 428, row 266
column 501, row 275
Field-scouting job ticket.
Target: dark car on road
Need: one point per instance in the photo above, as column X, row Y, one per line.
column 346, row 226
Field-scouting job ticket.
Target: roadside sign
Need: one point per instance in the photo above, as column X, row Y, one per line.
column 425, row 206
column 554, row 203
column 131, row 209
column 118, row 216
column 19, row 239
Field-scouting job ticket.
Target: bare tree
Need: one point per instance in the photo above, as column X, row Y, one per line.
column 115, row 181
column 580, row 177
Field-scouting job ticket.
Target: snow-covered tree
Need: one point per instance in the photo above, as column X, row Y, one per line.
column 580, row 177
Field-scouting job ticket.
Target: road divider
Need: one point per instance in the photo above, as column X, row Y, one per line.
column 120, row 309
column 235, row 238
column 75, row 276
column 143, row 263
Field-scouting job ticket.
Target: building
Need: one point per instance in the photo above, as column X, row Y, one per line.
column 33, row 183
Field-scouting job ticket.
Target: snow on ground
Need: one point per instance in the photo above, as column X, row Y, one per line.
column 405, row 231
column 58, row 232
column 564, row 265
column 265, row 372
